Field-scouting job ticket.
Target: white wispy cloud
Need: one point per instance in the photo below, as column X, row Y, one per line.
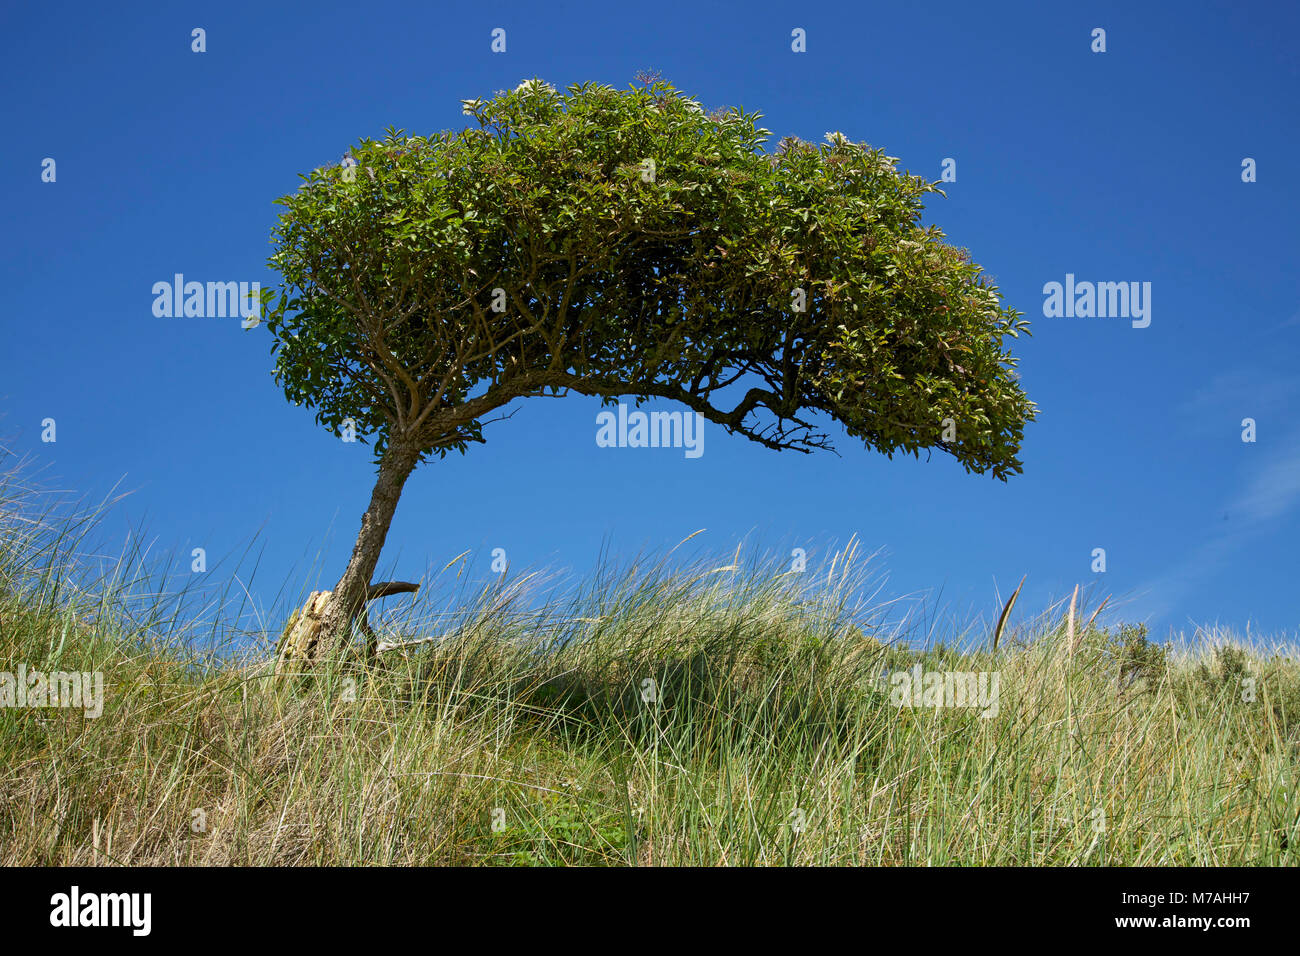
column 1269, row 491
column 1238, row 394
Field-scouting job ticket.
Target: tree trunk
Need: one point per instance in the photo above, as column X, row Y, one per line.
column 348, row 600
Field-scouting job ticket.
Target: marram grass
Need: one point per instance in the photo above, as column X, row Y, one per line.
column 708, row 716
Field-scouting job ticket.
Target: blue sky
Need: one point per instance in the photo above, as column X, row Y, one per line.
column 1116, row 166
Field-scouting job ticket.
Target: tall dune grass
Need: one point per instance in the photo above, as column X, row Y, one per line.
column 663, row 714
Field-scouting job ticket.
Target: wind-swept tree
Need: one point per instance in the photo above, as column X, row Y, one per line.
column 629, row 244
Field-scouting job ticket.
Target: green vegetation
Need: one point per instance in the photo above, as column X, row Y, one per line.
column 767, row 736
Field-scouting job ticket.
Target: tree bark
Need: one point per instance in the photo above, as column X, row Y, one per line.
column 348, row 599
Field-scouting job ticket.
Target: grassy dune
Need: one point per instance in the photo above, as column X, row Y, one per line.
column 767, row 737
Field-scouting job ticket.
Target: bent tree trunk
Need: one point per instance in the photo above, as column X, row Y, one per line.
column 346, row 603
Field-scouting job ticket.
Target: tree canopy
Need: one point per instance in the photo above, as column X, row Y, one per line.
column 627, row 243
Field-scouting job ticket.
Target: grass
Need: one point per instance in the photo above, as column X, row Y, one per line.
column 662, row 715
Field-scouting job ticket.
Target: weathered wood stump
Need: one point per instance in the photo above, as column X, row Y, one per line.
column 300, row 641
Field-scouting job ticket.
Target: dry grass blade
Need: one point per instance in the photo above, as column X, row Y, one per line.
column 1100, row 607
column 1069, row 620
column 1006, row 612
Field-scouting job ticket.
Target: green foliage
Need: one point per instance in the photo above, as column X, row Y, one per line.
column 553, row 829
column 1271, row 685
column 642, row 248
column 1229, row 667
column 1138, row 658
